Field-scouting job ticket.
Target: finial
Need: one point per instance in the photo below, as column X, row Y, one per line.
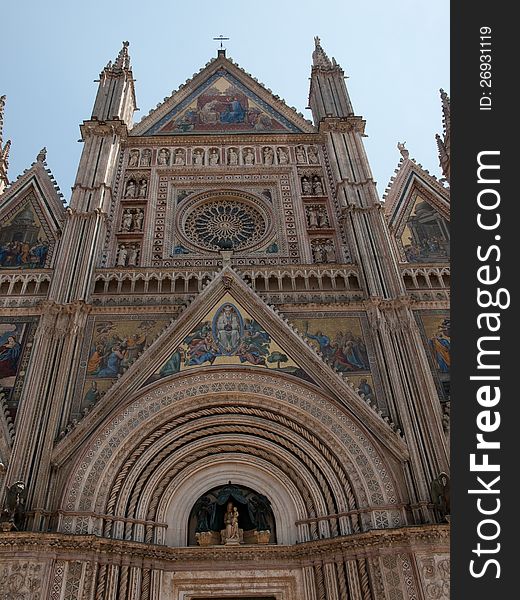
column 42, row 155
column 2, row 106
column 402, row 149
column 319, row 58
column 123, row 59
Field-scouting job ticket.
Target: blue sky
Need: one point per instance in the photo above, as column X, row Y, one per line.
column 395, row 54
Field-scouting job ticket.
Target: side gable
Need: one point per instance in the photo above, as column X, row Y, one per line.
column 417, row 207
column 31, row 220
column 222, row 98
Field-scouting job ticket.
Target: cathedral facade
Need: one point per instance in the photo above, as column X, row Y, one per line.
column 224, row 365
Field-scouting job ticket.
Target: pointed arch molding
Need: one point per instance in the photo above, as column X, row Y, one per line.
column 127, row 481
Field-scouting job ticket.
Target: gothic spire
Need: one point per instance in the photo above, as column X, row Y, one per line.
column 443, row 143
column 116, row 96
column 328, row 95
column 4, row 149
column 319, row 57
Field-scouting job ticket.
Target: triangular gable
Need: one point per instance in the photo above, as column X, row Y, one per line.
column 164, row 358
column 222, row 98
column 417, row 207
column 229, row 335
column 31, row 220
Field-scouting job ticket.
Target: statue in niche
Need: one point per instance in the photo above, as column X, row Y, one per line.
column 323, row 220
column 268, row 156
column 233, row 157
column 259, row 509
column 249, row 157
column 130, row 189
column 306, row 186
column 330, row 254
column 205, row 514
column 440, row 491
column 146, row 157
column 312, row 153
column 138, row 220
column 14, row 507
column 121, row 256
column 179, row 157
column 317, row 187
column 232, row 534
column 143, row 187
column 126, row 224
column 163, row 158
column 198, row 158
column 133, row 159
column 213, row 158
column 283, row 157
column 132, row 256
column 312, row 217
column 300, row 154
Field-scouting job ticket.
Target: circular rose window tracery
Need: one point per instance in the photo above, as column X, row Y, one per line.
column 225, row 223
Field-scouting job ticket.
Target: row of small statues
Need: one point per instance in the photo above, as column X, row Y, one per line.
column 323, row 251
column 312, row 188
column 201, row 157
column 128, row 256
column 132, row 220
column 317, row 217
column 136, row 189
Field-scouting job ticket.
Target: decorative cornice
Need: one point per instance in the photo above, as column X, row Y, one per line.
column 110, row 551
column 343, row 124
column 94, row 127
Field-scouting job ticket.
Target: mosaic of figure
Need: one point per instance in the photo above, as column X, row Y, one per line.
column 341, row 342
column 23, row 243
column 440, row 344
column 222, row 106
column 13, row 339
column 283, row 156
column 228, row 336
column 115, row 345
column 133, row 159
column 163, row 158
column 426, row 236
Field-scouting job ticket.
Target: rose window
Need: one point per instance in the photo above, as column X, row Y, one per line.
column 225, row 224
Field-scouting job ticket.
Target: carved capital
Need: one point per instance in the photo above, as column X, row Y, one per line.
column 343, row 124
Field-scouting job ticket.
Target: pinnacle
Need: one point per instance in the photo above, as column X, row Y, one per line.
column 123, row 59
column 319, row 57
